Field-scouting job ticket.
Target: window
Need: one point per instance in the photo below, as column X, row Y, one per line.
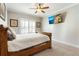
column 27, row 26
column 31, row 26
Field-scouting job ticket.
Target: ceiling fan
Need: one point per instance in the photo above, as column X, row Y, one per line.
column 40, row 7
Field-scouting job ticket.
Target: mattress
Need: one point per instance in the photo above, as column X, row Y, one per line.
column 25, row 41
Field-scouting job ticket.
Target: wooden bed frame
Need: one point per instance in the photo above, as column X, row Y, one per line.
column 26, row 52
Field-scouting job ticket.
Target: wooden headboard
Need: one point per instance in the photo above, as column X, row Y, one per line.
column 3, row 41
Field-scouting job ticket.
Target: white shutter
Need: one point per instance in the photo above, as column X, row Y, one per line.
column 27, row 26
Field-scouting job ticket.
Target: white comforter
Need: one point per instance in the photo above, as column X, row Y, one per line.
column 25, row 41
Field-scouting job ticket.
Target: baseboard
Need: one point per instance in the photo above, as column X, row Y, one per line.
column 66, row 43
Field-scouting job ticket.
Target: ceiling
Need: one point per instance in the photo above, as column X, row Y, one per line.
column 25, row 8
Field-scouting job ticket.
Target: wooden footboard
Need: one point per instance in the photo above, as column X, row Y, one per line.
column 49, row 35
column 26, row 52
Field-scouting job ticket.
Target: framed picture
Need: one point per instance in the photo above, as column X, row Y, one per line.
column 51, row 19
column 2, row 11
column 13, row 23
column 58, row 19
column 38, row 24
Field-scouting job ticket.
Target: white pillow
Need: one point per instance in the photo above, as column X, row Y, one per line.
column 12, row 31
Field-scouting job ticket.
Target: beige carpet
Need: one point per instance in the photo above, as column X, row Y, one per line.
column 59, row 49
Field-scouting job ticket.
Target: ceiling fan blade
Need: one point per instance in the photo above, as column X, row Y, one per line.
column 40, row 4
column 32, row 8
column 35, row 11
column 45, row 8
column 42, row 11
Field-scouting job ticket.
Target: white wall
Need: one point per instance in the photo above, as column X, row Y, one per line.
column 67, row 32
column 15, row 15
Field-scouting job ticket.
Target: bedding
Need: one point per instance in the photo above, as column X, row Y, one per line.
column 11, row 34
column 12, row 31
column 25, row 41
column 10, row 37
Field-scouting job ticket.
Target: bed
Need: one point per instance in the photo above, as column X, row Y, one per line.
column 23, row 45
